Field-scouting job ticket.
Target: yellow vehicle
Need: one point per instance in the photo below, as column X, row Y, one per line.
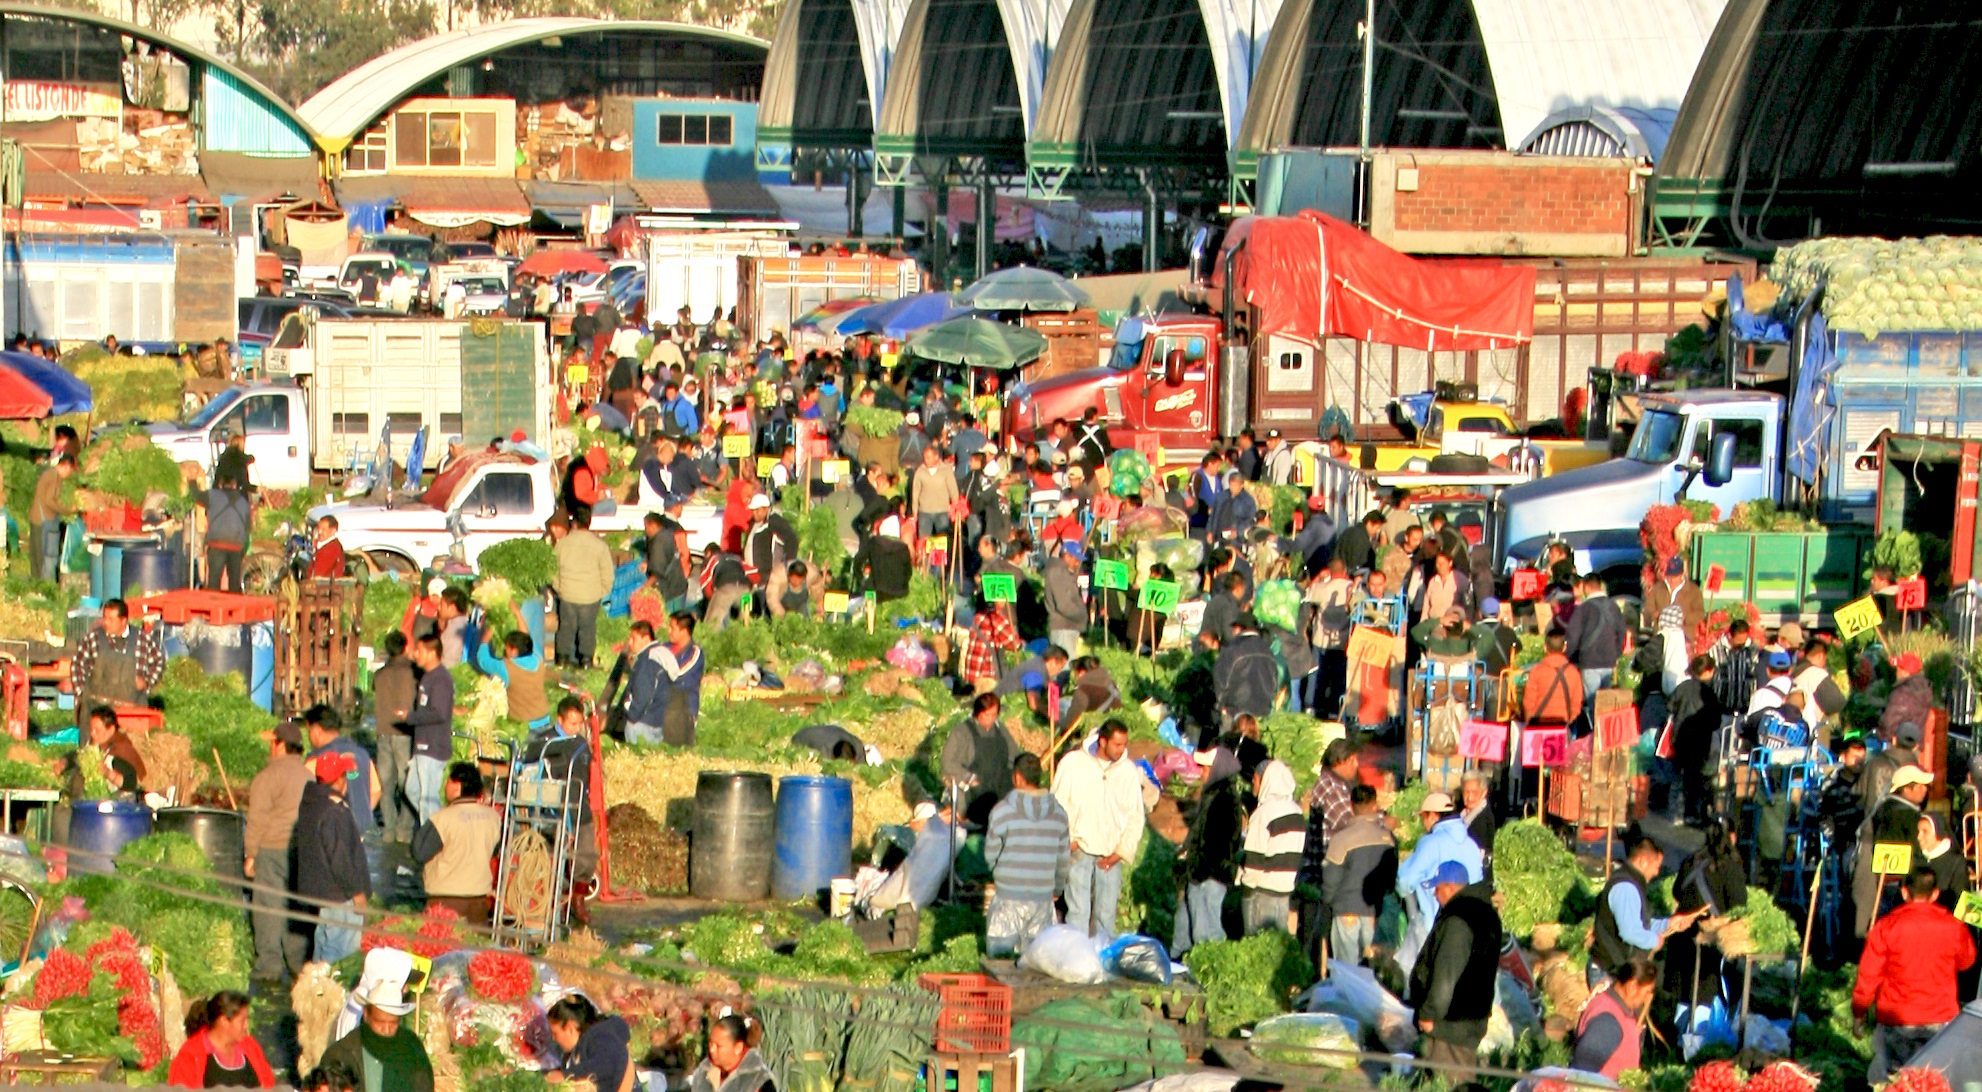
column 1483, row 429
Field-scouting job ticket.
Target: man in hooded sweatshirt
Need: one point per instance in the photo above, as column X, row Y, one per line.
column 1209, row 859
column 330, row 860
column 1274, row 836
column 1066, row 608
column 1026, row 844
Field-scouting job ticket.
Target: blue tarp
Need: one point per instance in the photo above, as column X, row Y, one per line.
column 66, row 393
column 1810, row 414
column 1747, row 325
column 902, row 317
column 367, row 216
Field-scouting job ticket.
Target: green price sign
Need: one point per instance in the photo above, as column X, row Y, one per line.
column 1111, row 575
column 1000, row 588
column 1159, row 596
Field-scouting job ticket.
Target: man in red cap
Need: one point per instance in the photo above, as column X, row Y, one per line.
column 330, row 876
column 1912, row 697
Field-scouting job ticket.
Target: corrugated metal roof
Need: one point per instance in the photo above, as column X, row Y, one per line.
column 1608, row 131
column 361, row 96
column 1549, row 54
column 705, row 198
column 238, row 120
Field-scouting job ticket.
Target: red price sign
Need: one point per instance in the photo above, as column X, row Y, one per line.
column 1528, row 585
column 1715, row 575
column 1545, row 747
column 1912, row 594
column 1617, row 728
column 1483, row 741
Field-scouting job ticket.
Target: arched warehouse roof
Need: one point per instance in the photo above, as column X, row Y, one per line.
column 1467, row 73
column 825, row 75
column 354, row 101
column 267, row 126
column 967, row 76
column 1810, row 116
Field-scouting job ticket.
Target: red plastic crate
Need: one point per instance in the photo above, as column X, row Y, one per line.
column 976, row 1017
column 215, row 608
column 139, row 719
column 109, row 521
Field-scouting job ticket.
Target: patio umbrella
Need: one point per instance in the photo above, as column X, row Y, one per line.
column 902, row 317
column 820, row 317
column 20, row 398
column 978, row 343
column 66, row 393
column 549, row 263
column 1025, row 288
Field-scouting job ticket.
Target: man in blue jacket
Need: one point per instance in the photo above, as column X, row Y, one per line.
column 1446, row 839
column 646, row 688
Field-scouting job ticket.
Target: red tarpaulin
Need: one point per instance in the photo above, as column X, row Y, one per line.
column 1311, row 276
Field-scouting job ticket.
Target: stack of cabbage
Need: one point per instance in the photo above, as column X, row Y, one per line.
column 1878, row 285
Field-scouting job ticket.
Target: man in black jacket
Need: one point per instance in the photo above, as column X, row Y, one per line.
column 1452, row 985
column 1595, row 638
column 329, row 861
column 768, row 544
column 667, row 572
column 1246, row 675
column 883, row 563
column 1356, row 545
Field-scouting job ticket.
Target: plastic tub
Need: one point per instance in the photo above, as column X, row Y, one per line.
column 814, row 835
column 730, row 853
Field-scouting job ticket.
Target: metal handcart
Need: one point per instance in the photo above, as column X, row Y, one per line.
column 542, row 815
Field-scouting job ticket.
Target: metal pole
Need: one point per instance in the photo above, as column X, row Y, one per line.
column 1369, row 74
column 987, row 218
column 1152, row 224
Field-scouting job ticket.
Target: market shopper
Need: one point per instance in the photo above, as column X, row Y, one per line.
column 1714, row 881
column 324, row 731
column 593, row 1046
column 584, row 580
column 121, row 762
column 274, row 796
column 331, row 876
column 1358, row 869
column 1609, row 1039
column 1445, row 841
column 117, row 663
column 732, row 1064
column 1452, row 981
column 230, row 521
column 395, row 688
column 1596, row 634
column 1275, row 832
column 1026, row 846
column 1101, row 792
column 431, row 722
column 1912, row 697
column 385, row 1045
column 1330, row 808
column 454, row 848
column 1894, row 822
column 220, row 1049
column 1208, row 862
column 1902, row 749
column 1906, row 977
column 46, row 514
column 1625, row 927
column 977, row 760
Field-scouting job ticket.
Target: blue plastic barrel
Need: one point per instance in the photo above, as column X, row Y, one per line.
column 104, row 826
column 148, row 570
column 814, row 835
column 261, row 683
column 221, row 649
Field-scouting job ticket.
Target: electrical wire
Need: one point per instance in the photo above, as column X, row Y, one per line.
column 1290, row 1076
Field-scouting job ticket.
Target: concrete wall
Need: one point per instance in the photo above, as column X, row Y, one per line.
column 732, row 162
column 1500, row 203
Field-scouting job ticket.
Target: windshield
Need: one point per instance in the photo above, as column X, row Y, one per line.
column 481, row 285
column 216, row 409
column 1657, row 438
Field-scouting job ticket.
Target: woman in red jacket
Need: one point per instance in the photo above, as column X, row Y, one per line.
column 219, row 1052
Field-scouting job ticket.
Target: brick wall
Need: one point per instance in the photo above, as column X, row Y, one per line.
column 1498, row 203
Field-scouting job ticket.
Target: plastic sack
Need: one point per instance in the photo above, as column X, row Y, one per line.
column 1174, row 762
column 1555, row 1076
column 1705, row 1026
column 1138, row 958
column 912, row 656
column 1765, row 1035
column 1065, row 953
column 1353, row 991
column 1278, row 603
column 1128, row 469
column 1513, row 1013
column 1300, row 1038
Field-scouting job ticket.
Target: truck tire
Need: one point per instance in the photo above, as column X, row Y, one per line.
column 262, row 571
column 1460, row 464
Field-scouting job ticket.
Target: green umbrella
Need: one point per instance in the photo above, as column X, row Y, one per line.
column 1024, row 288
column 978, row 343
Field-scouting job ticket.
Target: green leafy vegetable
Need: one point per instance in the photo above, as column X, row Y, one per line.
column 1246, row 981
column 529, row 564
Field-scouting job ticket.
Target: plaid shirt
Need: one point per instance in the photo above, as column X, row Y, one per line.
column 1328, row 812
column 150, row 655
column 990, row 633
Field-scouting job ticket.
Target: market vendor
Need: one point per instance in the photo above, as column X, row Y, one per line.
column 1894, row 822
column 733, row 1065
column 121, row 761
column 1031, row 678
column 383, row 1050
column 594, row 1045
column 117, row 663
column 220, row 1051
column 1608, row 1034
column 1625, row 926
column 919, row 878
column 977, row 759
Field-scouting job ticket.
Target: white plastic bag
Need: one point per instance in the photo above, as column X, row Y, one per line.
column 1354, row 992
column 1065, row 953
column 1308, row 1038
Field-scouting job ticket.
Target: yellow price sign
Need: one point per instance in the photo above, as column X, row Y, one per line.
column 736, row 445
column 578, row 375
column 889, row 360
column 832, row 470
column 836, row 602
column 764, row 465
column 1858, row 616
column 1892, row 858
column 938, row 544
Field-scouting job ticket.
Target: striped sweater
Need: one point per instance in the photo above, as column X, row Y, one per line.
column 1274, row 835
column 1025, row 843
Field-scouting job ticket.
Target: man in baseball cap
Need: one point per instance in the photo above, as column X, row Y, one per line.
column 1895, row 821
column 1452, row 983
column 1769, row 695
column 1445, row 841
column 330, row 859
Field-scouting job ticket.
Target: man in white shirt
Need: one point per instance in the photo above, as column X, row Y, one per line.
column 1101, row 792
column 1769, row 695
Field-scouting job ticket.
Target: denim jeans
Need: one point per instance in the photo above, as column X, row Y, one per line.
column 1093, row 893
column 425, row 778
column 1200, row 916
column 1265, row 910
column 1595, row 679
column 577, row 629
column 338, row 933
column 50, row 558
column 395, row 758
column 1893, row 1047
column 1066, row 640
column 1351, row 936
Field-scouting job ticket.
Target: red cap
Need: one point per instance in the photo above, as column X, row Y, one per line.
column 518, row 436
column 1908, row 662
column 333, row 767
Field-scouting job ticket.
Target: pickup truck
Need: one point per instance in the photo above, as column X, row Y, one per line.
column 490, row 499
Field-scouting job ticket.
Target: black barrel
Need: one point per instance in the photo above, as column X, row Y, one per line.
column 735, row 835
column 149, row 570
column 221, row 834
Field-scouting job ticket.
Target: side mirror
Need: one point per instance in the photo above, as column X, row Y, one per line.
column 1720, row 460
column 1173, row 368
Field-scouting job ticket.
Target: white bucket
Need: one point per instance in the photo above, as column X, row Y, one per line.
column 841, row 904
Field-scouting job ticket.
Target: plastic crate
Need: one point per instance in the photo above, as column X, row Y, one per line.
column 626, row 579
column 122, row 519
column 215, row 608
column 976, row 1017
column 138, row 719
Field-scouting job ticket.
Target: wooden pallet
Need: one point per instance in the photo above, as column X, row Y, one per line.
column 966, row 1072
column 317, row 634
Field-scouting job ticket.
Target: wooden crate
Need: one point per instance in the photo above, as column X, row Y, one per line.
column 966, row 1072
column 1074, row 340
column 317, row 635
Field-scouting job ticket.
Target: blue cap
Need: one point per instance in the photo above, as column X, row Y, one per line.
column 1489, row 607
column 1451, row 872
column 1779, row 660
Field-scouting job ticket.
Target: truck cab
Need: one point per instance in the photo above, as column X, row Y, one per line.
column 1168, row 390
column 1597, row 509
column 273, row 416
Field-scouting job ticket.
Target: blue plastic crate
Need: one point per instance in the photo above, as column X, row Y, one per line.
column 625, row 581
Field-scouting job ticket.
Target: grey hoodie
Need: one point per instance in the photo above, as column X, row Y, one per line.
column 1064, row 606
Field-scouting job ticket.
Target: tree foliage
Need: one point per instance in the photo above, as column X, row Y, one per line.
column 305, row 44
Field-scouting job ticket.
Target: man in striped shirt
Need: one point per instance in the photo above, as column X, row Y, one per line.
column 1274, row 837
column 1026, row 844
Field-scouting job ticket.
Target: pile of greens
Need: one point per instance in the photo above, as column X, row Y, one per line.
column 1771, row 930
column 126, row 463
column 1246, row 981
column 214, row 712
column 1539, row 877
column 873, row 420
column 1898, row 551
column 529, row 564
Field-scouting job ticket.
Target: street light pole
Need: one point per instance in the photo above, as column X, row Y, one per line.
column 1369, row 72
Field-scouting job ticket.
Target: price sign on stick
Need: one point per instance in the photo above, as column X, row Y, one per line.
column 1000, row 588
column 1369, row 645
column 1483, row 741
column 1968, row 909
column 1912, row 594
column 1545, row 747
column 1857, row 616
column 832, row 470
column 1159, row 597
column 1617, row 728
column 1111, row 575
column 835, row 602
column 1892, row 858
column 1716, row 575
column 765, row 463
column 736, row 445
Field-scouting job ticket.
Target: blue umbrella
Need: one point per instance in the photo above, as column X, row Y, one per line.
column 902, row 317
column 66, row 393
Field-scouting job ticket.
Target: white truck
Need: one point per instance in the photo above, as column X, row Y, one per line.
column 698, row 270
column 503, row 497
column 366, row 376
